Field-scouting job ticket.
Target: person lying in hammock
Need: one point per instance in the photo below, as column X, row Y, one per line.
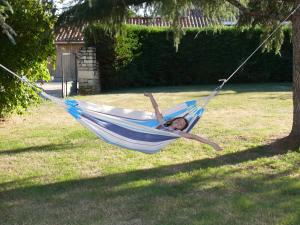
column 177, row 125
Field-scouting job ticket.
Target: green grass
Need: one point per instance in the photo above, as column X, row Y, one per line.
column 54, row 171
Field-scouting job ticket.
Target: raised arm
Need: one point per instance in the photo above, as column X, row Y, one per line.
column 200, row 139
column 155, row 106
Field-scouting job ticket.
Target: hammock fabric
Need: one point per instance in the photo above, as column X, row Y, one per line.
column 128, row 128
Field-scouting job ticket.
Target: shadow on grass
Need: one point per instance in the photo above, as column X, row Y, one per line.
column 164, row 195
column 39, row 148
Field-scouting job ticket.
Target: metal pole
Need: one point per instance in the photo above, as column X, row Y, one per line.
column 66, row 88
column 76, row 74
column 63, row 77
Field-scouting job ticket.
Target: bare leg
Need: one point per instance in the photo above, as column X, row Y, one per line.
column 201, row 139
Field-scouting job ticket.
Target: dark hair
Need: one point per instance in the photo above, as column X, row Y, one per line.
column 169, row 122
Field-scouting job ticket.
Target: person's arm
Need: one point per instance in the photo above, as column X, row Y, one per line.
column 200, row 139
column 158, row 114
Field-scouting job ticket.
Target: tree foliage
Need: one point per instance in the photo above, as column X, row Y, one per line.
column 33, row 22
column 266, row 13
column 5, row 11
column 112, row 13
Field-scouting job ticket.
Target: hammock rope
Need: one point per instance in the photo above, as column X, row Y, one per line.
column 224, row 81
column 24, row 79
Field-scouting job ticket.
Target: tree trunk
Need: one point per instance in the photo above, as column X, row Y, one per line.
column 295, row 132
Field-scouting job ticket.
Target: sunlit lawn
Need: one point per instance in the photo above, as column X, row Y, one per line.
column 54, row 171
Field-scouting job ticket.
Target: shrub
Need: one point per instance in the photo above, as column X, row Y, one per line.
column 33, row 24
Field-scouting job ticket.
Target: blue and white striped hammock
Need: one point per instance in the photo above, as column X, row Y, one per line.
column 128, row 128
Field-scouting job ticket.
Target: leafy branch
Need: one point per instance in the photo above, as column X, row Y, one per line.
column 5, row 11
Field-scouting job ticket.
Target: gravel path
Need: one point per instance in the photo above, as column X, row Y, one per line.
column 53, row 88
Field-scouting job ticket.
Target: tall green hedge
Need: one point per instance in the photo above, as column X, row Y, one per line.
column 145, row 56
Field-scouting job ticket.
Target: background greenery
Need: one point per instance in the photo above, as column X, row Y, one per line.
column 33, row 22
column 145, row 56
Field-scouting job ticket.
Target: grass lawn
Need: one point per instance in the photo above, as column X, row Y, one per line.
column 54, row 171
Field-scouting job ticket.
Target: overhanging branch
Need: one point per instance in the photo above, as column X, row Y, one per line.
column 239, row 5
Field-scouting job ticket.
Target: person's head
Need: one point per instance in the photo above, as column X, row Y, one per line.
column 178, row 123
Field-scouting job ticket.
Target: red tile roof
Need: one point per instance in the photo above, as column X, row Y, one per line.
column 186, row 22
column 70, row 34
column 74, row 34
